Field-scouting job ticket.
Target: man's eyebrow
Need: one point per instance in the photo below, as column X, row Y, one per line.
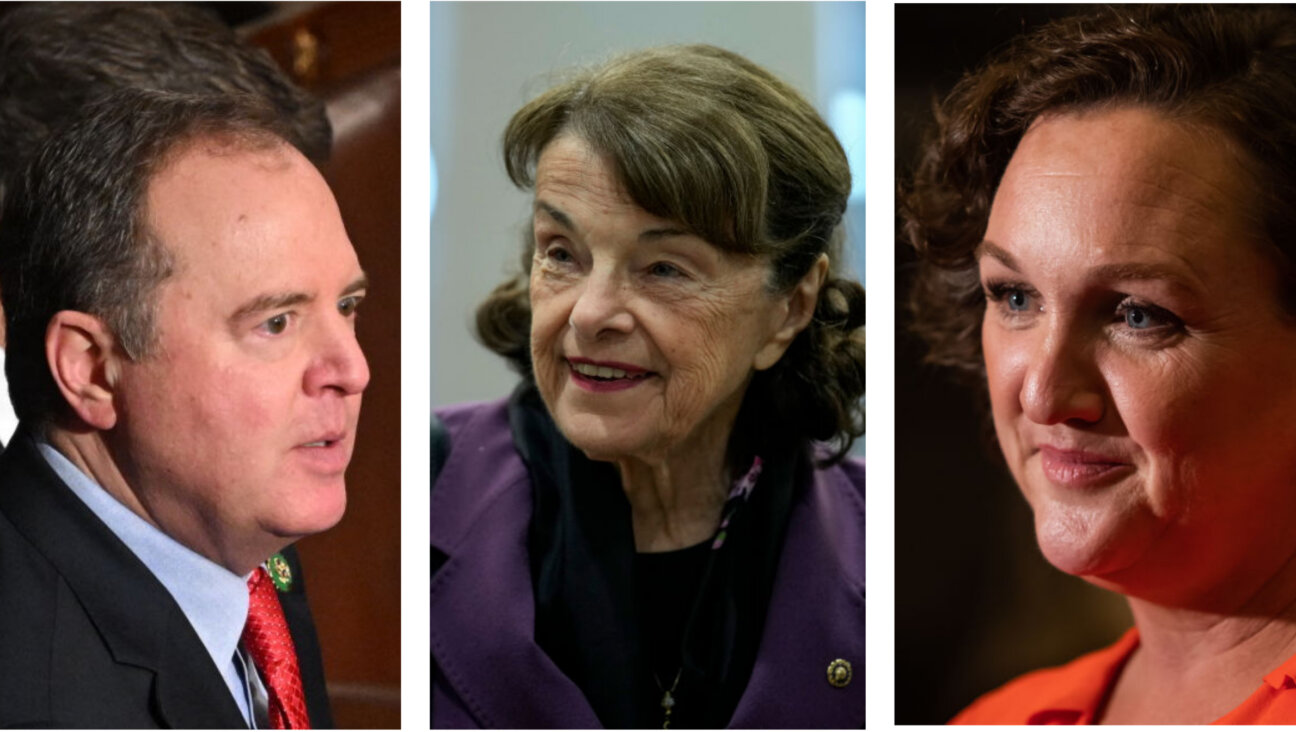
column 563, row 219
column 358, row 284
column 990, row 249
column 270, row 301
column 281, row 300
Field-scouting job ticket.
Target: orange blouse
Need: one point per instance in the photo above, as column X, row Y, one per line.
column 1074, row 693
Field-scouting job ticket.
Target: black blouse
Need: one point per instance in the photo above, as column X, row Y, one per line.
column 610, row 618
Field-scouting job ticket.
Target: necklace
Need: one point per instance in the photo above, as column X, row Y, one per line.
column 667, row 700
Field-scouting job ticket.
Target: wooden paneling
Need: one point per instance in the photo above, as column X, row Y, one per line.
column 349, row 54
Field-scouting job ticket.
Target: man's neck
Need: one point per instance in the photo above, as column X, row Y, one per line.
column 92, row 454
column 89, row 453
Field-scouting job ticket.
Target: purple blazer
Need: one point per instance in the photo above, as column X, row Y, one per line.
column 489, row 671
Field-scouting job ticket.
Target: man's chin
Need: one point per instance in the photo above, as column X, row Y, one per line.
column 319, row 511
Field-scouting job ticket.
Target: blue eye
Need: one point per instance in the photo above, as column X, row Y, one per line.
column 1137, row 318
column 1144, row 317
column 1012, row 299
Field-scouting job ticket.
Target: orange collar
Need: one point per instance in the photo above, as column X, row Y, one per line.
column 1087, row 686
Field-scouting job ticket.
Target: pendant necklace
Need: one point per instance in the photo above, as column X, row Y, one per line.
column 667, row 700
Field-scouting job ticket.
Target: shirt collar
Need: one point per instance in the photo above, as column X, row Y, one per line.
column 213, row 599
column 1088, row 686
column 1080, row 702
column 1283, row 677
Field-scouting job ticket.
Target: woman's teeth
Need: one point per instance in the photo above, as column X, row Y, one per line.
column 602, row 372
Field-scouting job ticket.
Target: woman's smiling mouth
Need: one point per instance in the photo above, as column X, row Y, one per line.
column 1081, row 469
column 603, row 376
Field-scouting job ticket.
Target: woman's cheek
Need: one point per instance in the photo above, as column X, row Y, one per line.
column 1162, row 398
column 1006, row 357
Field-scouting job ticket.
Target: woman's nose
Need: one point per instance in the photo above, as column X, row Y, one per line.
column 1062, row 383
column 339, row 364
column 600, row 307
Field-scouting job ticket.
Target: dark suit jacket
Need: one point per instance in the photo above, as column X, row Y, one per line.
column 488, row 670
column 89, row 637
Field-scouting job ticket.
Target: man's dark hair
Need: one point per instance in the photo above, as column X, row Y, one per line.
column 57, row 57
column 75, row 232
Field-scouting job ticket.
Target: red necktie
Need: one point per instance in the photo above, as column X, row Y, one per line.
column 267, row 640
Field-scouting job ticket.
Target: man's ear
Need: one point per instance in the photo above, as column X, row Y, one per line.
column 795, row 314
column 84, row 361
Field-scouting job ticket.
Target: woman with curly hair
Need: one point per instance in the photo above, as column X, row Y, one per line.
column 1104, row 225
column 660, row 526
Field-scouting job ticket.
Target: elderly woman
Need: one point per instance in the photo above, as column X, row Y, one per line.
column 659, row 527
column 1104, row 220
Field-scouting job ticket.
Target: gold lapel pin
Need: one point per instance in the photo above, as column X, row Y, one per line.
column 839, row 673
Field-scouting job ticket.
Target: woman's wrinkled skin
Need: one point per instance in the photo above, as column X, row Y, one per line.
column 1143, row 382
column 612, row 283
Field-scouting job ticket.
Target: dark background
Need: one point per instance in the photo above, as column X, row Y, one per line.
column 976, row 603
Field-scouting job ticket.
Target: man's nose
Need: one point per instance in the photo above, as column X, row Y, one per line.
column 600, row 307
column 339, row 363
column 1063, row 382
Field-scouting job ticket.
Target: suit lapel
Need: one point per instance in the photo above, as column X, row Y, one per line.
column 302, row 627
column 138, row 620
column 482, row 605
column 816, row 616
column 483, row 608
column 188, row 696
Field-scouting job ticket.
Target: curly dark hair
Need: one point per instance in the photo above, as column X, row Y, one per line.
column 703, row 137
column 1229, row 69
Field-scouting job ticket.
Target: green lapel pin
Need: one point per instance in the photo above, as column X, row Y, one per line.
column 280, row 573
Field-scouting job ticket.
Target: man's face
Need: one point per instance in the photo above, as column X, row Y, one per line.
column 234, row 434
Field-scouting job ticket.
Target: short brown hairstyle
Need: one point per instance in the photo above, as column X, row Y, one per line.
column 1230, row 69
column 56, row 58
column 75, row 233
column 704, row 137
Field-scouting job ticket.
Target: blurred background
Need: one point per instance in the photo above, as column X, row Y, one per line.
column 976, row 603
column 488, row 59
column 348, row 54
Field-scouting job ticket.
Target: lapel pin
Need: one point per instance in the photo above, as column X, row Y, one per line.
column 839, row 673
column 280, row 573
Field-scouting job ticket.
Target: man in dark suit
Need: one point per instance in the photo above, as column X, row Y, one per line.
column 180, row 298
column 54, row 60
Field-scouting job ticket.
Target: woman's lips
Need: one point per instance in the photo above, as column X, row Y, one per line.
column 605, row 376
column 1081, row 469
